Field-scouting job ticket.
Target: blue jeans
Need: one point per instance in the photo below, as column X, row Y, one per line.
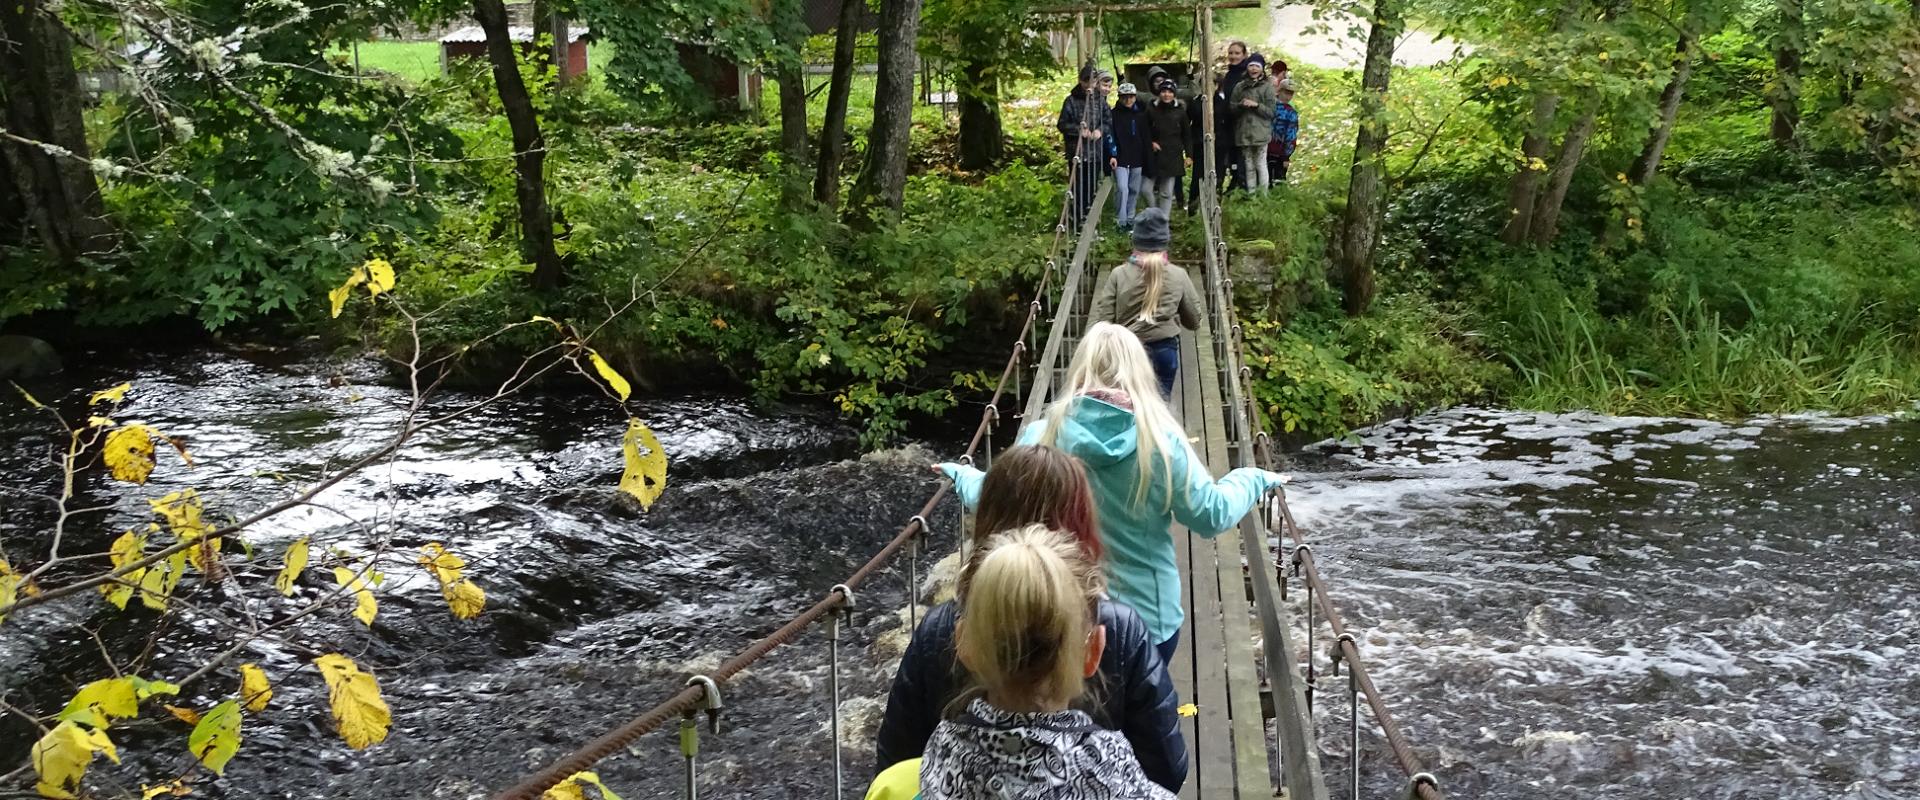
column 1165, row 357
column 1166, row 649
column 1129, row 181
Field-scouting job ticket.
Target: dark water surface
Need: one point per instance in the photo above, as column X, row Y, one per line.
column 595, row 611
column 1589, row 606
column 1555, row 605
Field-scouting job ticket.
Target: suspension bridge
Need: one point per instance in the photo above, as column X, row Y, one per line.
column 1248, row 666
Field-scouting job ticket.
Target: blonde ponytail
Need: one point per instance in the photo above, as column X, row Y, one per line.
column 1153, row 269
column 1029, row 612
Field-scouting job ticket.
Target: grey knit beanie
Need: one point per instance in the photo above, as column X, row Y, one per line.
column 1150, row 231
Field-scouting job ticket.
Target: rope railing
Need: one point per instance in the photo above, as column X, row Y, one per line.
column 702, row 692
column 1258, row 448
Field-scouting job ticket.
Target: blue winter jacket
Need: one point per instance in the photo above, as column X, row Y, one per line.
column 1130, row 694
column 1140, row 565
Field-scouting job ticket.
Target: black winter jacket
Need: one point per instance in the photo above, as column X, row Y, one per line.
column 1131, row 694
column 1131, row 141
column 1074, row 111
column 1169, row 128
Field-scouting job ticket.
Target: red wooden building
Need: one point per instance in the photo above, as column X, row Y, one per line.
column 471, row 42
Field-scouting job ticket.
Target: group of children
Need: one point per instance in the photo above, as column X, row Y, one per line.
column 1148, row 145
column 1047, row 676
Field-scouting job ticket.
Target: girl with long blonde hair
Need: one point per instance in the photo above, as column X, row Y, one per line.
column 1132, row 694
column 1029, row 634
column 1144, row 474
column 1151, row 296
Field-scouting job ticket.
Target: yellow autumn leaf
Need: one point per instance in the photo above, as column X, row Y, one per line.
column 177, row 787
column 619, row 384
column 130, row 547
column 296, row 559
column 143, row 689
column 9, row 586
column 365, row 606
column 573, row 788
column 443, row 564
column 359, row 714
column 338, row 296
column 465, row 597
column 1189, row 710
column 645, row 476
column 549, row 320
column 61, row 757
column 182, row 713
column 157, row 581
column 113, row 395
column 129, row 453
column 184, row 515
column 217, row 737
column 101, row 699
column 379, row 276
column 254, row 689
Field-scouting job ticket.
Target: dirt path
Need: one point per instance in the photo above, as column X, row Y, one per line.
column 1341, row 41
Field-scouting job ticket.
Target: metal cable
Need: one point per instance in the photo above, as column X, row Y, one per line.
column 1421, row 784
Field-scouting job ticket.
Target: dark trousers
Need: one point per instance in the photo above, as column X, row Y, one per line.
column 1276, row 168
column 1165, row 357
column 1166, row 649
column 1086, row 177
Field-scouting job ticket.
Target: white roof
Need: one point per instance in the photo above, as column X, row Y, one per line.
column 519, row 33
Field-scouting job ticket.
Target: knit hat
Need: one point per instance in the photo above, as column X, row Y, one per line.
column 1150, row 231
column 1256, row 58
column 1286, row 85
column 1128, row 88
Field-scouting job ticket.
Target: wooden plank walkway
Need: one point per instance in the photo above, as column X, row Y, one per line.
column 1215, row 665
column 1218, row 665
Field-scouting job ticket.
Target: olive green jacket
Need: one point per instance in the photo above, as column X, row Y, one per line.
column 1253, row 126
column 1123, row 293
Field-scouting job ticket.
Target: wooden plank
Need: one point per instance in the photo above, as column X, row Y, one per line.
column 1182, row 668
column 1215, row 746
column 1253, row 780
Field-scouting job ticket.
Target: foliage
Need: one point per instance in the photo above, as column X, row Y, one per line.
column 187, row 535
column 647, row 39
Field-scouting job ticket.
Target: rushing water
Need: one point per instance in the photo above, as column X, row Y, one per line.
column 595, row 610
column 1630, row 607
column 1579, row 605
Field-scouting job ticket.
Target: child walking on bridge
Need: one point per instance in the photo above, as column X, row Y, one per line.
column 1030, row 635
column 1131, row 693
column 1152, row 296
column 1144, row 473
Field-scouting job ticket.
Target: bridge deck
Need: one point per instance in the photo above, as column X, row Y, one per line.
column 1215, row 664
column 1219, row 666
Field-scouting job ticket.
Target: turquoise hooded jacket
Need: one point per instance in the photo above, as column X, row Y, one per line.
column 1140, row 565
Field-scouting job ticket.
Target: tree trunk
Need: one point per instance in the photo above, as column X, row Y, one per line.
column 1648, row 164
column 1523, row 189
column 1360, row 224
column 981, row 145
column 791, row 30
column 562, row 51
column 1546, row 213
column 833, row 131
column 883, row 178
column 53, row 197
column 529, row 147
column 1785, row 97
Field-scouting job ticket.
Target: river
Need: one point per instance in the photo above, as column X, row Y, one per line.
column 1632, row 607
column 1588, row 606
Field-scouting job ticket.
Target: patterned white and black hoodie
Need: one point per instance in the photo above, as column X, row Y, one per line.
column 989, row 754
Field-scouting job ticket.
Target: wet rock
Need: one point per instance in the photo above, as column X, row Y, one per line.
column 23, row 357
